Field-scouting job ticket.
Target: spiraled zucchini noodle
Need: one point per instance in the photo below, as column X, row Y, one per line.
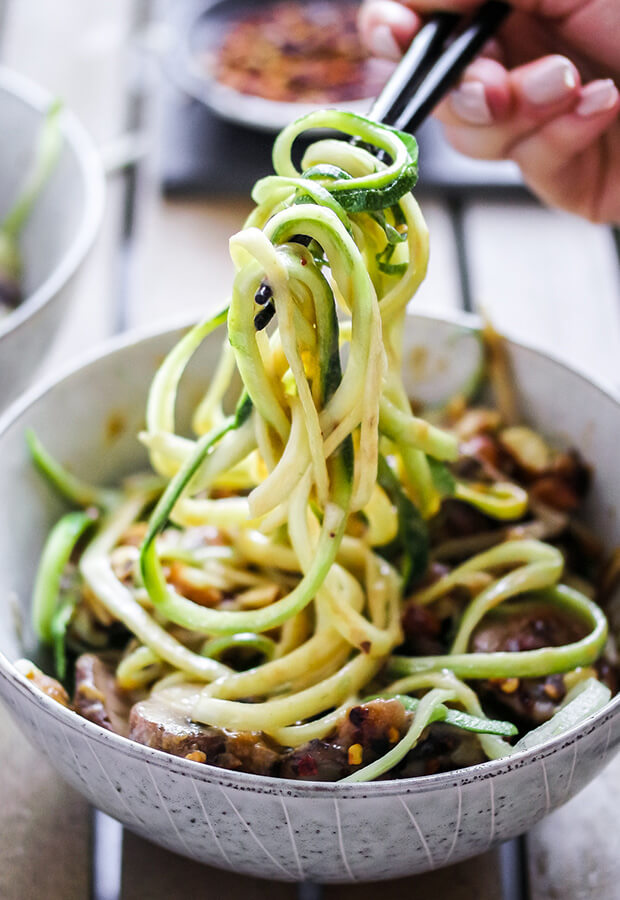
column 321, row 466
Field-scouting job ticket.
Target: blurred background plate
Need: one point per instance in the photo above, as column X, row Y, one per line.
column 283, row 47
column 216, row 139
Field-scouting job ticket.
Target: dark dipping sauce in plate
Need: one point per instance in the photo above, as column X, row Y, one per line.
column 300, row 52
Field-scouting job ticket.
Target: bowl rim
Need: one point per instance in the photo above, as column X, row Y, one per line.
column 269, row 784
column 91, row 173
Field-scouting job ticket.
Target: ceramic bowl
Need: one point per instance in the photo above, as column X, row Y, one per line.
column 265, row 826
column 58, row 234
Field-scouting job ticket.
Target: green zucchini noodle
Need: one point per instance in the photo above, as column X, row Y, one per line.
column 291, row 532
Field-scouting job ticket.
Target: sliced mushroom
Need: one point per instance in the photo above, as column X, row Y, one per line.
column 163, row 721
column 97, row 695
column 527, row 448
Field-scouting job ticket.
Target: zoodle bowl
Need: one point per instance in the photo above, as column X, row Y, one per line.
column 275, row 828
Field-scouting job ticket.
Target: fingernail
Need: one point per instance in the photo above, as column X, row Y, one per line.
column 469, row 103
column 549, row 81
column 597, row 97
column 383, row 43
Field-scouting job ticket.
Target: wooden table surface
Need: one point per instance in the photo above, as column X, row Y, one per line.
column 540, row 275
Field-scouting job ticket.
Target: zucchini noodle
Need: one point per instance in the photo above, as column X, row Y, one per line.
column 290, row 533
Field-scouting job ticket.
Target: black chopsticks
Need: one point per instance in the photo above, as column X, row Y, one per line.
column 411, row 70
column 438, row 55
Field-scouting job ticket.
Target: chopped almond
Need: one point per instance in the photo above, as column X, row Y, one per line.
column 135, row 534
column 191, row 583
column 123, row 560
column 526, row 447
column 476, row 422
column 197, row 756
column 552, row 690
column 257, row 597
column 509, row 685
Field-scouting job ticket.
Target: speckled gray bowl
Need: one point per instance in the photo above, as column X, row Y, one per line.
column 58, row 234
column 265, row 826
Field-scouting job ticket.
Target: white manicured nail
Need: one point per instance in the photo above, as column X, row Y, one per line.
column 469, row 103
column 383, row 43
column 549, row 81
column 597, row 97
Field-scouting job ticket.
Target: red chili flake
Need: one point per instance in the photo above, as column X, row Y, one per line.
column 304, row 262
column 365, row 646
column 307, row 766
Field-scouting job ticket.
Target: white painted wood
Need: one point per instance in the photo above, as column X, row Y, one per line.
column 476, row 879
column 155, row 873
column 441, row 290
column 548, row 278
column 44, row 825
column 573, row 854
column 181, row 261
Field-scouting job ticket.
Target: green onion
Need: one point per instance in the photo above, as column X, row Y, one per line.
column 443, row 479
column 410, row 547
column 71, row 488
column 56, row 554
column 47, row 151
column 59, row 624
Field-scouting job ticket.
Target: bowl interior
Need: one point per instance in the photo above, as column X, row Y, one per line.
column 58, row 218
column 89, row 420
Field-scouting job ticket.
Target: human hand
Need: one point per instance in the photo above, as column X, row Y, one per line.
column 543, row 94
